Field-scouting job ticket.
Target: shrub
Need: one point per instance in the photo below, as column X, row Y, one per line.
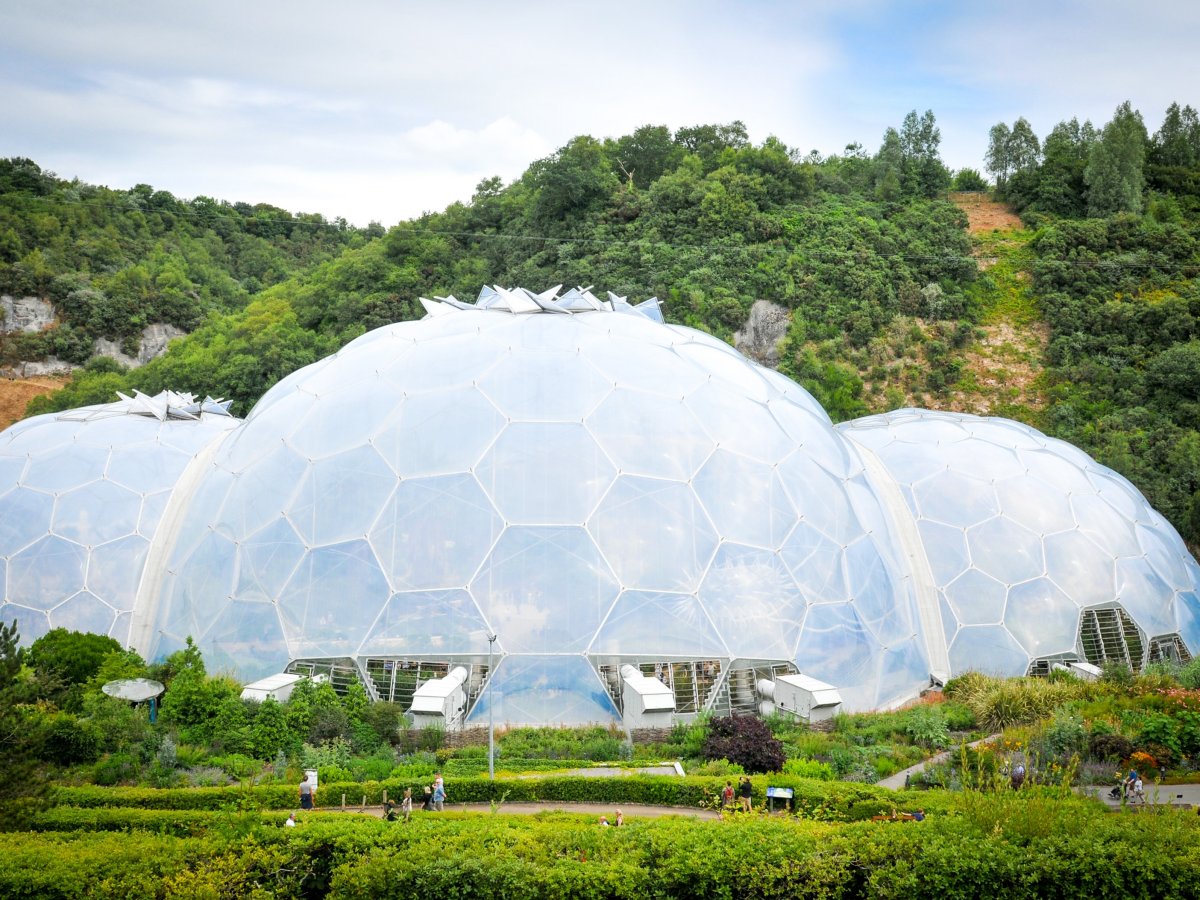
column 67, row 740
column 115, row 768
column 926, row 726
column 1112, row 747
column 745, row 740
column 809, row 768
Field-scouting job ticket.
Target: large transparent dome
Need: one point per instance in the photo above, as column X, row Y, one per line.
column 81, row 495
column 1038, row 552
column 594, row 487
column 591, row 488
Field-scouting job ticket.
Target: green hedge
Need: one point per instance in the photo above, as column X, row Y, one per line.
column 813, row 799
column 1071, row 850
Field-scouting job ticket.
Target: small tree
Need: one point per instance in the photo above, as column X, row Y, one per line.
column 745, row 740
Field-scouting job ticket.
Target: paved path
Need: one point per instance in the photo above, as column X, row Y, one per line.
column 1182, row 795
column 632, row 811
column 896, row 782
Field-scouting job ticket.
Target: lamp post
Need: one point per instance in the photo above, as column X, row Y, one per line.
column 491, row 714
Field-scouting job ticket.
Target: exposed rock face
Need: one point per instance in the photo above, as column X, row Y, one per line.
column 153, row 344
column 764, row 329
column 25, row 313
column 51, row 365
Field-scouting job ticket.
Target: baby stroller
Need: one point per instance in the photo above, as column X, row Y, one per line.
column 1117, row 792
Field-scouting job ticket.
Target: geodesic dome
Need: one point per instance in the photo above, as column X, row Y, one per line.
column 577, row 486
column 1038, row 553
column 589, row 484
column 81, row 496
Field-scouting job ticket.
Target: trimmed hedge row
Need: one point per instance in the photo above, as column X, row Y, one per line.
column 813, row 798
column 1081, row 852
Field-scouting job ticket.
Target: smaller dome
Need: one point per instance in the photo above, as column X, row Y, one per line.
column 1023, row 533
column 81, row 494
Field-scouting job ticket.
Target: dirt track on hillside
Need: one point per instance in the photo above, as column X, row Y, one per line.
column 985, row 214
column 15, row 394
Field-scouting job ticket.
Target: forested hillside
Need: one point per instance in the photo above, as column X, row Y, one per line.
column 888, row 302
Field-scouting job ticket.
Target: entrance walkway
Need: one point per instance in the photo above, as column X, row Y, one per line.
column 900, row 779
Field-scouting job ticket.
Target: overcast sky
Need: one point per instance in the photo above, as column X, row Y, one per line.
column 382, row 110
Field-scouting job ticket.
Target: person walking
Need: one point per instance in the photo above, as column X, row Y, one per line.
column 439, row 793
column 307, row 793
column 727, row 795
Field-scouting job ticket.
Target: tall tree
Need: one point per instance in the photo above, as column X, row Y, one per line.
column 1061, row 189
column 998, row 160
column 1025, row 152
column 1115, row 169
column 1177, row 142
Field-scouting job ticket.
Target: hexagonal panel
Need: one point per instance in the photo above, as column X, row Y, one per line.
column 46, row 572
column 316, row 618
column 545, row 589
column 1042, row 618
column 442, row 363
column 115, row 570
column 1035, row 504
column 1007, row 551
column 1146, row 597
column 647, row 434
column 1080, row 568
column 440, row 432
column 990, row 649
column 543, row 690
column 420, row 623
column 545, row 473
column 544, row 387
column 883, row 605
column 753, row 601
column 654, row 534
column 817, row 564
column 344, row 421
column 837, row 648
column 101, row 511
column 362, row 483
column 976, row 599
column 652, row 623
column 147, row 466
column 261, row 494
column 745, row 500
column 740, row 425
column 31, row 624
column 435, row 532
column 1110, row 530
column 84, row 612
column 946, row 550
column 956, row 499
column 247, row 637
column 201, row 586
column 64, row 468
column 266, row 560
column 820, row 498
column 24, row 517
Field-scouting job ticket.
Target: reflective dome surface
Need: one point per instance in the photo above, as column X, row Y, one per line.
column 81, row 495
column 1023, row 533
column 590, row 487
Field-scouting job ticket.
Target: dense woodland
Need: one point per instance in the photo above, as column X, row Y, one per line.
column 874, row 263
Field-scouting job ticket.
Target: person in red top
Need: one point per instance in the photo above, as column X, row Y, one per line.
column 727, row 795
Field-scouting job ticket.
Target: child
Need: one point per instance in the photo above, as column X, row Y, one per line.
column 406, row 805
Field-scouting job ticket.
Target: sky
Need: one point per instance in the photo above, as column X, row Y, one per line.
column 379, row 111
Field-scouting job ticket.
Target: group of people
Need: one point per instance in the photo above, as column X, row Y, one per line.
column 1135, row 790
column 744, row 791
column 619, row 819
column 434, row 800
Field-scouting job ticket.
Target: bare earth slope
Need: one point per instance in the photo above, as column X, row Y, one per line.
column 15, row 394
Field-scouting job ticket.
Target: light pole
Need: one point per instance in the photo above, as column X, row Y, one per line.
column 491, row 714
